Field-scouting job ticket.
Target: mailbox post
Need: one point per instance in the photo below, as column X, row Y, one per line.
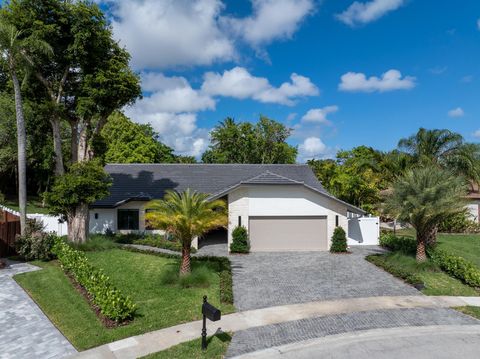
column 213, row 314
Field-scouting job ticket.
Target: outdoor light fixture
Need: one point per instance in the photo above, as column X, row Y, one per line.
column 213, row 314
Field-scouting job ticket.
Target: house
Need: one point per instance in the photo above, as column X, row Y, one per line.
column 284, row 207
column 473, row 202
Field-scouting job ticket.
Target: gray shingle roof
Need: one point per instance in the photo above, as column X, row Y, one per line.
column 150, row 181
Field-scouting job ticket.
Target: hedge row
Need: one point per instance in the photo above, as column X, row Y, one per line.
column 111, row 302
column 457, row 267
column 407, row 276
column 395, row 243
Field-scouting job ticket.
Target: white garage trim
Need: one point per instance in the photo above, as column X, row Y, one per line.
column 288, row 233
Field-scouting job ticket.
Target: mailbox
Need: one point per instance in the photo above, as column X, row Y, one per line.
column 211, row 312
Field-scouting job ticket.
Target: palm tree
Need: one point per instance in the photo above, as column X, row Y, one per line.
column 15, row 48
column 424, row 197
column 186, row 215
column 431, row 146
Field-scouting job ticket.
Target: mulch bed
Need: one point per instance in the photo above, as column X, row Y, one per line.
column 107, row 322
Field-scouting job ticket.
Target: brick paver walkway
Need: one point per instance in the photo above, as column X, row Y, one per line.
column 25, row 331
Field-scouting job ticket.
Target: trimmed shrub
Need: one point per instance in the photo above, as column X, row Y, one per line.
column 394, row 243
column 111, row 302
column 36, row 244
column 457, row 267
column 240, row 242
column 339, row 241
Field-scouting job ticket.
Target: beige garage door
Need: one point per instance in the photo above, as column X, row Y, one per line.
column 288, row 233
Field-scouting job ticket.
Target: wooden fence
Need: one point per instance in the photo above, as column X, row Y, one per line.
column 9, row 229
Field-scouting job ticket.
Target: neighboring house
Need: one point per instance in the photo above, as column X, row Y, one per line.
column 284, row 207
column 473, row 200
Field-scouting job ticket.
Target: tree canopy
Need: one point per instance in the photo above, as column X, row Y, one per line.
column 245, row 142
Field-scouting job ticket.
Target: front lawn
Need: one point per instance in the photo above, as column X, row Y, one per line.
column 135, row 274
column 34, row 205
column 216, row 349
column 436, row 281
column 462, row 245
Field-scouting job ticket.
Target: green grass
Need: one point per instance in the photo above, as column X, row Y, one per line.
column 462, row 245
column 96, row 242
column 436, row 281
column 216, row 349
column 34, row 205
column 472, row 311
column 135, row 274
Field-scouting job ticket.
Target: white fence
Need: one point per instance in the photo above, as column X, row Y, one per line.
column 51, row 223
column 364, row 231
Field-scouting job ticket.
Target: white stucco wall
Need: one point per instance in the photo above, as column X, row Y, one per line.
column 283, row 200
column 472, row 208
column 107, row 217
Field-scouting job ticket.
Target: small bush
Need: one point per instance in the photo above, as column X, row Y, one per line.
column 394, row 243
column 36, row 244
column 457, row 267
column 96, row 243
column 459, row 223
column 240, row 242
column 339, row 241
column 111, row 302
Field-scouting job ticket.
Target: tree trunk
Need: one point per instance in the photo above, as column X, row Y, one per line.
column 22, row 156
column 74, row 142
column 431, row 237
column 185, row 266
column 421, row 246
column 57, row 146
column 78, row 223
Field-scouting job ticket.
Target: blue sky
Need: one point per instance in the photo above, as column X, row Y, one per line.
column 340, row 73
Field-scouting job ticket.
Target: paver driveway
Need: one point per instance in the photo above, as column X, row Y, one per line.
column 267, row 279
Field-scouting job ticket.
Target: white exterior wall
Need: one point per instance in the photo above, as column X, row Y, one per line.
column 283, row 200
column 107, row 218
column 472, row 208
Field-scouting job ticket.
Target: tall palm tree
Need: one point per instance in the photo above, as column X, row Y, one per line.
column 431, row 146
column 424, row 197
column 186, row 215
column 16, row 53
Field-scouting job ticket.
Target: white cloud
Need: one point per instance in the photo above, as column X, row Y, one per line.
column 438, row 70
column 270, row 20
column 478, row 24
column 162, row 34
column 239, row 83
column 467, row 79
column 389, row 81
column 312, row 147
column 319, row 115
column 360, row 13
column 456, row 112
column 476, row 134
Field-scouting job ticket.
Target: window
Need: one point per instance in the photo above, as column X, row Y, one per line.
column 128, row 219
column 336, row 221
column 239, row 221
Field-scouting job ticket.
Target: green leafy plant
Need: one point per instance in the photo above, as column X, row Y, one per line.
column 395, row 243
column 459, row 223
column 339, row 241
column 95, row 243
column 35, row 243
column 111, row 302
column 457, row 267
column 240, row 242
